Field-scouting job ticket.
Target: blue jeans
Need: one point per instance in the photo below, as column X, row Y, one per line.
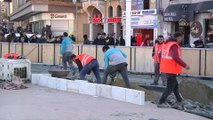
column 94, row 66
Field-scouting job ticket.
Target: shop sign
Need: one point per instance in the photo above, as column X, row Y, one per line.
column 114, row 20
column 177, row 16
column 149, row 12
column 142, row 12
column 144, row 21
column 135, row 21
column 97, row 18
column 196, row 29
column 170, row 16
column 53, row 16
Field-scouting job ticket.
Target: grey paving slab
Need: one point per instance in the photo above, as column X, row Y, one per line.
column 38, row 103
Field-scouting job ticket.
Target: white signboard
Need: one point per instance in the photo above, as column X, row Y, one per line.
column 143, row 21
column 142, row 12
column 52, row 16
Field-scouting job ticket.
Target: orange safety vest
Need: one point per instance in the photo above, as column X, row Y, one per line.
column 167, row 64
column 84, row 59
column 158, row 48
column 11, row 56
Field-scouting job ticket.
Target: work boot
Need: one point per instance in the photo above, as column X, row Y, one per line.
column 163, row 105
column 178, row 105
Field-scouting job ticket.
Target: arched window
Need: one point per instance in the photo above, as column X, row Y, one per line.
column 110, row 11
column 119, row 11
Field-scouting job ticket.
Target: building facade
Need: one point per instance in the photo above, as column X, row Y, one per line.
column 37, row 14
column 144, row 21
column 109, row 17
column 98, row 16
column 193, row 17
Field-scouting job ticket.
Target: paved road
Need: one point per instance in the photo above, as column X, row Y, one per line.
column 38, row 103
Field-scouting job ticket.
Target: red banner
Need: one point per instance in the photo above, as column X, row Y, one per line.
column 114, row 20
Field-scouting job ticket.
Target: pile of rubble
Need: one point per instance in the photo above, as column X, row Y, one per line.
column 195, row 90
column 192, row 107
column 15, row 84
column 198, row 97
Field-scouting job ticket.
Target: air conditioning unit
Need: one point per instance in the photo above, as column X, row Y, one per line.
column 10, row 68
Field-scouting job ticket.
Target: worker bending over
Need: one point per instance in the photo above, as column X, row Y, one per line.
column 87, row 63
column 117, row 60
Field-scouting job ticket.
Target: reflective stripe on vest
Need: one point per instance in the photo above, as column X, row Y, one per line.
column 168, row 65
column 85, row 59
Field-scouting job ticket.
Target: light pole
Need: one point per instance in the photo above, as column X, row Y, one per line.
column 76, row 19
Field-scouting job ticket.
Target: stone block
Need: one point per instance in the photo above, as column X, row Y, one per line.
column 104, row 91
column 42, row 81
column 81, row 81
column 35, row 78
column 87, row 88
column 119, row 93
column 49, row 75
column 61, row 84
column 73, row 86
column 51, row 82
column 135, row 97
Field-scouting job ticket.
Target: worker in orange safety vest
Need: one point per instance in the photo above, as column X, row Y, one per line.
column 171, row 64
column 87, row 63
column 156, row 56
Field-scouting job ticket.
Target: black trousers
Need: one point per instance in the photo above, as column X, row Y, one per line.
column 121, row 68
column 172, row 86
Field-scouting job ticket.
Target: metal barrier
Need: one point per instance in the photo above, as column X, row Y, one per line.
column 139, row 58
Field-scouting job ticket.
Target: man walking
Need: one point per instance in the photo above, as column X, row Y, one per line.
column 66, row 51
column 87, row 63
column 171, row 64
column 156, row 56
column 117, row 58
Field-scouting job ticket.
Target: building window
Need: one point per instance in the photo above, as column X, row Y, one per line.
column 209, row 31
column 137, row 4
column 146, row 4
column 119, row 11
column 110, row 11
